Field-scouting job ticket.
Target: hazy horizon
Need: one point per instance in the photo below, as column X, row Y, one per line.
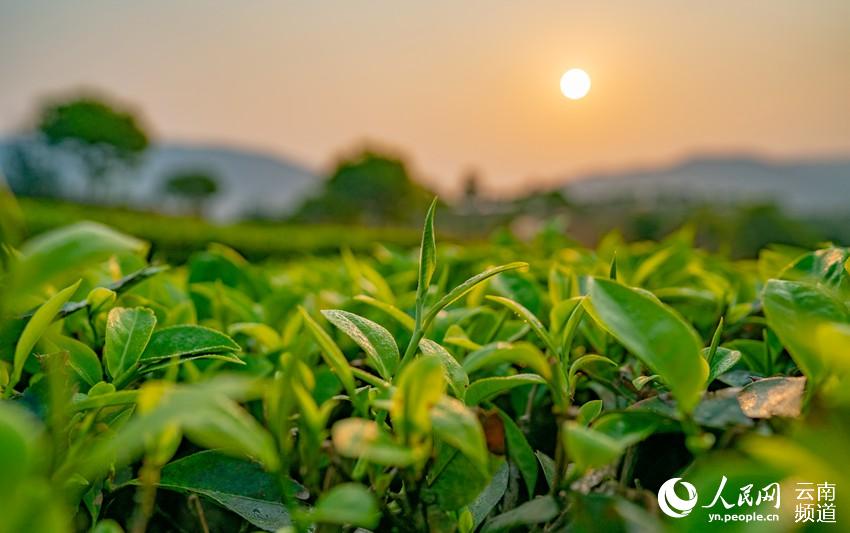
column 451, row 87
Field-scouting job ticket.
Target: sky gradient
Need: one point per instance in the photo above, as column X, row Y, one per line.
column 452, row 85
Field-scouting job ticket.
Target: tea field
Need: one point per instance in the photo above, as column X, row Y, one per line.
column 516, row 386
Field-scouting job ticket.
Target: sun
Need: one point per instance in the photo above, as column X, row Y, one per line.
column 575, row 83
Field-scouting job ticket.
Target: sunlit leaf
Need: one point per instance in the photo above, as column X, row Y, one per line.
column 457, row 426
column 455, row 374
column 522, row 353
column 35, row 328
column 487, row 388
column 536, row 326
column 656, row 334
column 590, row 448
column 127, row 334
column 420, row 386
column 347, row 504
column 794, row 310
column 360, row 438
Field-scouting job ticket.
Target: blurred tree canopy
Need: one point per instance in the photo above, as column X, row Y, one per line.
column 195, row 187
column 369, row 188
column 102, row 137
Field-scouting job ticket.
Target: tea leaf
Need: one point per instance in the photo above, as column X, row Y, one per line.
column 490, row 496
column 793, row 310
column 529, row 318
column 582, row 362
column 127, row 334
column 360, row 438
column 461, row 290
column 771, row 397
column 724, row 359
column 540, row 509
column 82, row 359
column 654, row 333
column 34, row 329
column 589, row 448
column 394, row 312
column 420, row 386
column 588, row 412
column 51, row 256
column 458, row 426
column 520, row 452
column 179, row 341
column 347, row 504
column 378, row 344
column 427, row 256
column 628, row 427
column 522, row 353
column 236, row 484
column 487, row 388
column 454, row 373
column 330, row 352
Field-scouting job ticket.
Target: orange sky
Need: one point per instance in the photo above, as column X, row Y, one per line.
column 454, row 85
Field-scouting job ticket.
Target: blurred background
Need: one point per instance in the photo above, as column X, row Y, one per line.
column 284, row 128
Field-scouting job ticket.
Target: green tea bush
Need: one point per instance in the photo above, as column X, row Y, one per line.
column 459, row 390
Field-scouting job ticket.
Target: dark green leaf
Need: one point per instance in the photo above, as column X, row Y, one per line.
column 347, row 504
column 540, row 509
column 239, row 485
column 724, row 359
column 490, row 496
column 520, row 452
column 378, row 344
column 179, row 341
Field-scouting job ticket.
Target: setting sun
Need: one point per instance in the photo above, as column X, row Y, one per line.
column 575, row 83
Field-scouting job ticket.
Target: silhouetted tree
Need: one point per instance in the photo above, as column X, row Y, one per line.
column 470, row 191
column 102, row 137
column 195, row 187
column 368, row 188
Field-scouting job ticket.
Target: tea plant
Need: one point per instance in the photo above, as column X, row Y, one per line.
column 453, row 391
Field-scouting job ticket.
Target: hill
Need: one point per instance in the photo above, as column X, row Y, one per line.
column 805, row 187
column 250, row 183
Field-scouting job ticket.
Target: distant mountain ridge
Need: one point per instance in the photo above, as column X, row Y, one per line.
column 804, row 187
column 256, row 184
column 250, row 183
